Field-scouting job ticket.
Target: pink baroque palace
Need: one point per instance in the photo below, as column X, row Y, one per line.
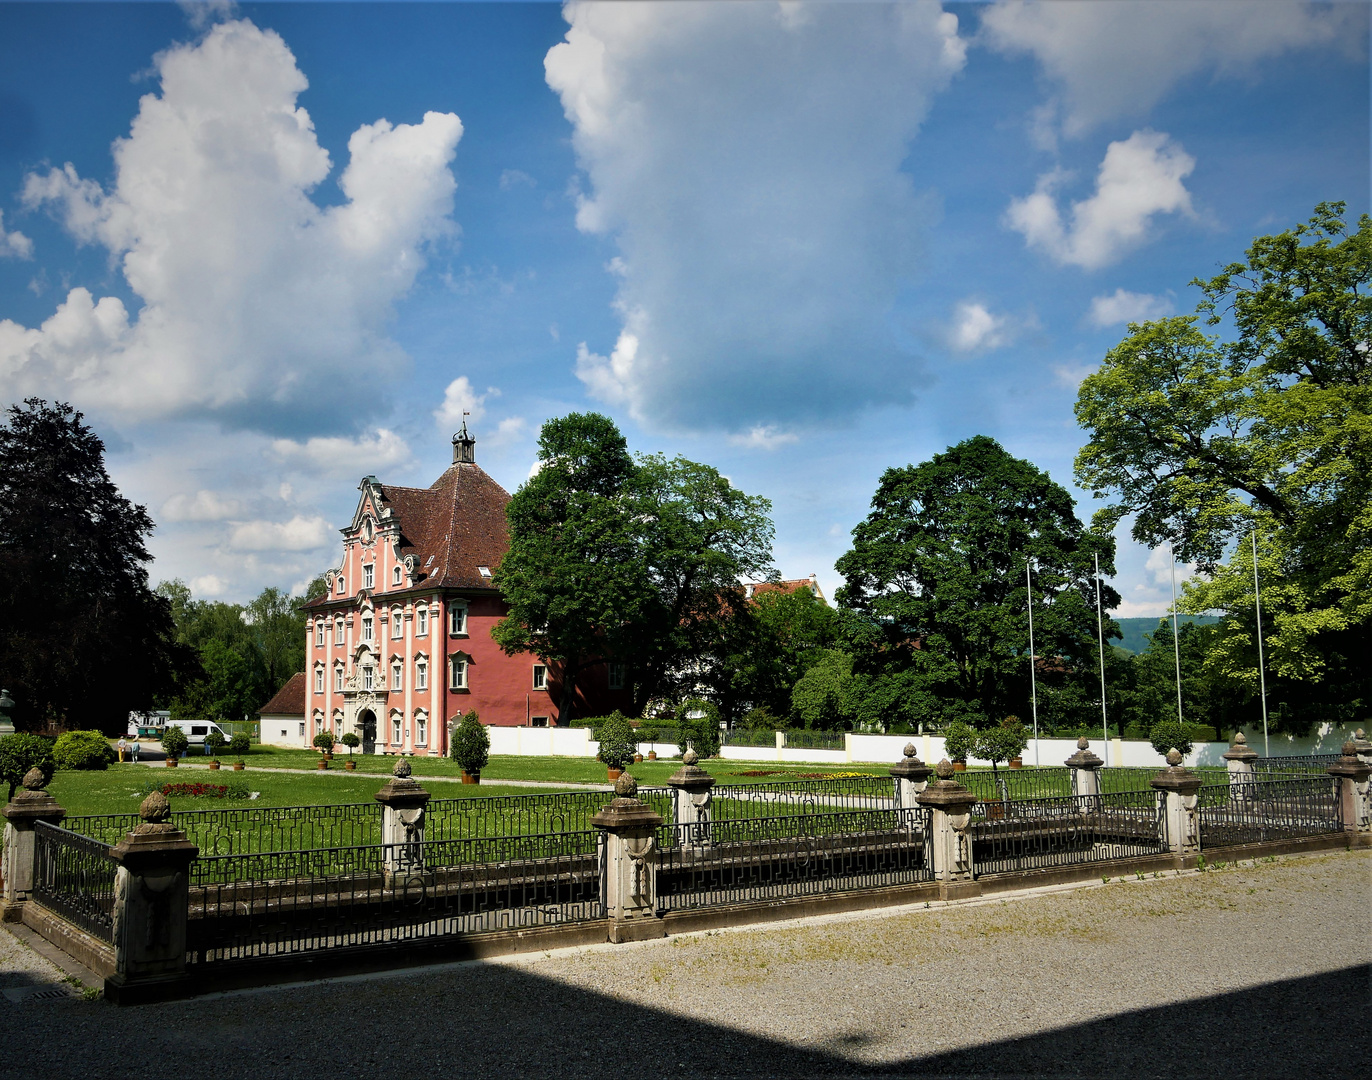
column 400, row 646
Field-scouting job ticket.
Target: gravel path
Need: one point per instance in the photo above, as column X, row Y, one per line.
column 1247, row 971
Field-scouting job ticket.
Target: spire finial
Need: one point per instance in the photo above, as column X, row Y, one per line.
column 464, row 446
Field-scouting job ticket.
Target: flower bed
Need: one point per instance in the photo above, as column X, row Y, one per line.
column 197, row 790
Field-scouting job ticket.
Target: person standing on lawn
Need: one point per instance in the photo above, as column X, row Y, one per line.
column 134, row 749
column 122, row 746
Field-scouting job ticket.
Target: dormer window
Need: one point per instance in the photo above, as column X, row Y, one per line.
column 484, row 571
column 367, row 530
column 340, row 583
column 369, row 576
column 395, row 575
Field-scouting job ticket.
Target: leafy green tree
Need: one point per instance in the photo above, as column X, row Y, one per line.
column 1004, row 742
column 1207, row 440
column 174, row 741
column 632, row 561
column 935, row 584
column 1168, row 735
column 86, row 641
column 471, row 744
column 823, row 699
column 959, row 740
column 277, row 626
column 617, row 744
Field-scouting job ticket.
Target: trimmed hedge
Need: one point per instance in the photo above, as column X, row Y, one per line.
column 471, row 745
column 83, row 750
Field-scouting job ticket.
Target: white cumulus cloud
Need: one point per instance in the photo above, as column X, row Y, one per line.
column 339, row 456
column 202, row 506
column 259, row 309
column 460, row 397
column 763, row 437
column 747, row 161
column 14, row 244
column 1139, row 178
column 300, row 533
column 1123, row 306
column 1117, row 60
column 975, row 328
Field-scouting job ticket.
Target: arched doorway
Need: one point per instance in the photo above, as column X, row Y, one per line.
column 367, row 722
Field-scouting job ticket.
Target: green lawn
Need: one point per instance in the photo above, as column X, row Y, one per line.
column 115, row 791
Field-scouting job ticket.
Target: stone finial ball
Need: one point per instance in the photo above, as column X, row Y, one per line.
column 33, row 780
column 944, row 769
column 626, row 787
column 1359, row 734
column 1240, row 739
column 1083, row 743
column 1174, row 757
column 155, row 809
column 690, row 757
column 909, row 750
column 402, row 768
column 1350, row 750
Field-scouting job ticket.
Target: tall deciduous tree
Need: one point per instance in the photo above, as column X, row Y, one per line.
column 1266, row 428
column 936, row 586
column 85, row 639
column 635, row 561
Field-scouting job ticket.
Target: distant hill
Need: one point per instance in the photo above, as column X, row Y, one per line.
column 1137, row 631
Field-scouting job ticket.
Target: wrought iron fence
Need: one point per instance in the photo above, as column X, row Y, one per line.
column 73, row 876
column 1294, row 766
column 776, row 858
column 1036, row 833
column 255, row 829
column 255, row 906
column 748, row 737
column 784, row 798
column 1267, row 810
column 805, row 739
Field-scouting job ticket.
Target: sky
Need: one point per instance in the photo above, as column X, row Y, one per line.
column 269, row 249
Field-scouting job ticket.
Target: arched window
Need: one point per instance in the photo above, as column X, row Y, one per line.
column 397, row 623
column 395, row 575
column 421, row 621
column 318, row 632
column 397, row 674
column 318, row 718
column 421, row 673
column 318, row 678
column 421, row 728
column 338, row 630
column 340, row 583
column 338, row 678
column 395, row 727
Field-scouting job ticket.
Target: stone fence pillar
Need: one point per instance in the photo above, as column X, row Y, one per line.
column 1240, row 757
column 950, row 833
column 1084, row 765
column 1177, row 788
column 31, row 803
column 629, row 864
column 910, row 777
column 151, row 897
column 402, row 825
column 1363, row 747
column 1351, row 778
column 691, row 799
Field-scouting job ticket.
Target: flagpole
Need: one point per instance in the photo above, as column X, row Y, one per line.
column 1100, row 631
column 1176, row 640
column 1262, row 673
column 1033, row 685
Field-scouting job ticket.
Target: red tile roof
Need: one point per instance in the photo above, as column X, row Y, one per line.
column 289, row 700
column 452, row 527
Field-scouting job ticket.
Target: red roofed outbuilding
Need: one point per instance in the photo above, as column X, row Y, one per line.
column 401, row 644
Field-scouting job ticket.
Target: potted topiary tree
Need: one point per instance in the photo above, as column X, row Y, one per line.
column 959, row 742
column 617, row 746
column 214, row 742
column 471, row 747
column 324, row 742
column 1167, row 735
column 240, row 744
column 350, row 740
column 1004, row 742
column 174, row 743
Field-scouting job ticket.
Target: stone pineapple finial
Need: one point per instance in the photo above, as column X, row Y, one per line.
column 1083, row 743
column 33, row 780
column 944, row 769
column 690, row 757
column 626, row 787
column 402, row 768
column 1174, row 757
column 1240, row 739
column 1350, row 749
column 909, row 750
column 155, row 809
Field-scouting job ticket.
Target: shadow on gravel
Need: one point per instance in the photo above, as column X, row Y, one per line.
column 498, row 1021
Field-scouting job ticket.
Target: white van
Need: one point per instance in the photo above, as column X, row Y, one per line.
column 196, row 730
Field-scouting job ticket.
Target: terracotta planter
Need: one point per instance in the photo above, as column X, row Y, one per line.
column 613, row 774
column 171, row 762
column 638, row 758
column 214, row 765
column 652, row 755
column 323, row 764
column 471, row 778
column 238, row 767
column 328, row 755
column 350, row 765
column 959, row 766
column 1016, row 763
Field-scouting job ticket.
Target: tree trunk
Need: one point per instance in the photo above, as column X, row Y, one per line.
column 564, row 709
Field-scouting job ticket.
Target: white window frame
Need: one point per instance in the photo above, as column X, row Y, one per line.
column 338, row 678
column 340, row 584
column 368, row 676
column 397, row 674
column 338, row 630
column 302, row 729
column 620, row 670
column 369, row 575
column 318, row 678
column 421, row 673
column 395, row 574
column 421, row 728
column 457, row 671
column 318, row 633
column 396, row 718
column 421, row 621
column 366, row 628
column 540, row 676
column 397, row 623
column 457, row 620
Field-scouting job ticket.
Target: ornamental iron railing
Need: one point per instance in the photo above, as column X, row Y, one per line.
column 1251, row 813
column 73, row 876
column 1034, row 834
column 249, row 830
column 256, row 906
column 778, row 858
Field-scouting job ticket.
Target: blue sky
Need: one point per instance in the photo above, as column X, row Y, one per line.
column 271, row 248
